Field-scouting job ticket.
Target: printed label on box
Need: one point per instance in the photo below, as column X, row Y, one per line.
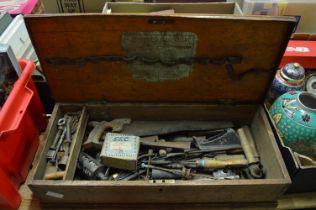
column 271, row 7
column 70, row 6
column 122, row 146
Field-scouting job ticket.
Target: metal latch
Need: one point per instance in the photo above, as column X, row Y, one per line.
column 228, row 61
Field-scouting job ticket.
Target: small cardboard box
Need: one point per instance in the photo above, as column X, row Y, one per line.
column 225, row 65
column 169, row 8
column 73, row 6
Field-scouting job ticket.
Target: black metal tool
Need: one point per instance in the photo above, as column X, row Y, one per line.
column 183, row 173
column 91, row 168
column 58, row 141
column 222, row 139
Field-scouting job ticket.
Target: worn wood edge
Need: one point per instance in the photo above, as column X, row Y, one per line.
column 171, row 3
column 176, row 15
column 152, row 104
column 260, row 132
column 75, row 149
column 277, row 151
column 40, row 155
column 146, row 183
column 160, row 206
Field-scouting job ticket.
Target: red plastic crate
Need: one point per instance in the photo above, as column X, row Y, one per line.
column 21, row 120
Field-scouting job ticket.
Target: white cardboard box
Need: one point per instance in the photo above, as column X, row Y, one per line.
column 303, row 10
column 74, row 6
column 17, row 37
column 192, row 8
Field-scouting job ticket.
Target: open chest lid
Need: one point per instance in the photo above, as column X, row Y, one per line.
column 171, row 58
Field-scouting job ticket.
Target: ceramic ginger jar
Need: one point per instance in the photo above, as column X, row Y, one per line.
column 289, row 78
column 294, row 114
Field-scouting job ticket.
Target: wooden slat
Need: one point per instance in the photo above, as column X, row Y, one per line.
column 265, row 141
column 133, row 192
column 76, row 146
column 259, row 41
column 51, row 130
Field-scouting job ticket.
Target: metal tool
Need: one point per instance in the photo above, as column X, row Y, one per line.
column 172, row 165
column 66, row 145
column 155, row 142
column 60, row 125
column 93, row 141
column 55, row 148
column 150, row 153
column 225, row 174
column 160, row 174
column 214, row 163
column 92, row 169
column 133, row 175
column 152, row 128
column 162, row 152
column 184, row 173
column 222, row 139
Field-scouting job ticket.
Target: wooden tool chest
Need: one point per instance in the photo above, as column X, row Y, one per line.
column 143, row 67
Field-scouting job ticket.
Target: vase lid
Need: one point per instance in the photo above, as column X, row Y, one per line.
column 293, row 71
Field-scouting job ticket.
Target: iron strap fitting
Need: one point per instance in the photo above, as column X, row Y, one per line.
column 228, row 61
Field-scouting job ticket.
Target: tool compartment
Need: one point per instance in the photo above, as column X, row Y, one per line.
column 112, row 75
column 68, row 191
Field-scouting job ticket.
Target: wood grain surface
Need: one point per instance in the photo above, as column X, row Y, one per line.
column 259, row 41
column 291, row 201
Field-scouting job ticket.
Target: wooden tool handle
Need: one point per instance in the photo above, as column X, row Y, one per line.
column 214, row 163
column 55, row 175
column 244, row 141
column 251, row 142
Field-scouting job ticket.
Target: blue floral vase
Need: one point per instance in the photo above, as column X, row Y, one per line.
column 294, row 114
column 290, row 78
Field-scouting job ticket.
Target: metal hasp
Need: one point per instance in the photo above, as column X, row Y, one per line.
column 228, row 61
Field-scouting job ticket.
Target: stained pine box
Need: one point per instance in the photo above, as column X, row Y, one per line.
column 225, row 66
